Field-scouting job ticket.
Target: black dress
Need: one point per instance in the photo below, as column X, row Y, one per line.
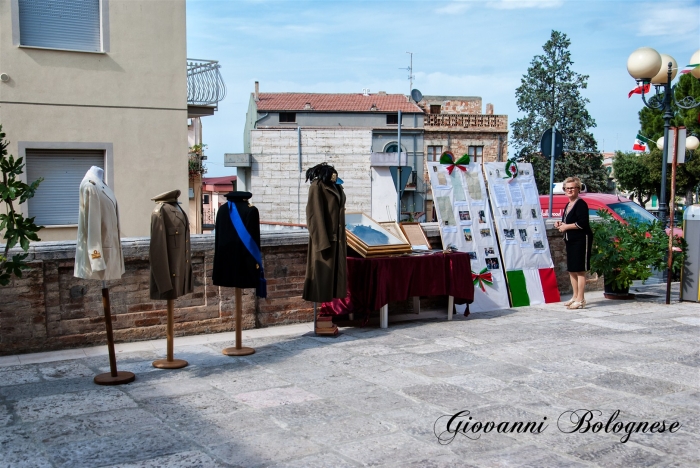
column 578, row 241
column 234, row 266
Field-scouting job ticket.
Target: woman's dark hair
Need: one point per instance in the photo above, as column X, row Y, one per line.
column 321, row 171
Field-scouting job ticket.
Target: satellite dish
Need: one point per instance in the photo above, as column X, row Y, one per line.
column 416, row 95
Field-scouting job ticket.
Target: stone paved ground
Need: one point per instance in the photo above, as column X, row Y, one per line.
column 372, row 397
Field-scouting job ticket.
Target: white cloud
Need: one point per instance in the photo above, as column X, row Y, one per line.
column 521, row 4
column 678, row 21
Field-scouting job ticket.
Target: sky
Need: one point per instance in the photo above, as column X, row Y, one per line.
column 460, row 48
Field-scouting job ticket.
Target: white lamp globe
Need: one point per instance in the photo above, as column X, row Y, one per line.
column 692, row 143
column 662, row 76
column 660, row 143
column 695, row 59
column 644, row 63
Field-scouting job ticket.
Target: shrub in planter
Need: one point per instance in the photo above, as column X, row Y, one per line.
column 626, row 251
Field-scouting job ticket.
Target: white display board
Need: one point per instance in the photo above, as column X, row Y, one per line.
column 462, row 208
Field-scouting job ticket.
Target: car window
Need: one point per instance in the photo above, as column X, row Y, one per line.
column 592, row 212
column 630, row 210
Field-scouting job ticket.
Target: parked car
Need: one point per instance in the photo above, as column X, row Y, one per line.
column 621, row 208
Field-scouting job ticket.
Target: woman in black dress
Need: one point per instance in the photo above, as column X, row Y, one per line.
column 578, row 238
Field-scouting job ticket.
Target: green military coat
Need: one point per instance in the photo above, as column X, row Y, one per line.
column 326, row 264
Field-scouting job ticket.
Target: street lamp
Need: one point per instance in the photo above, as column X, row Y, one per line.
column 647, row 66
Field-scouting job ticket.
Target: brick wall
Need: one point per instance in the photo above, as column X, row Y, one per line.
column 275, row 175
column 49, row 309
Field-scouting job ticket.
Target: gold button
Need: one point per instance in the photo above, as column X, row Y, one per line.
column 187, row 261
column 257, row 267
column 176, row 232
column 173, row 274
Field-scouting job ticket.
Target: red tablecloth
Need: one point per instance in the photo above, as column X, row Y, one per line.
column 374, row 282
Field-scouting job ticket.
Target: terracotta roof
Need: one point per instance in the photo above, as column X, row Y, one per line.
column 335, row 102
column 225, row 180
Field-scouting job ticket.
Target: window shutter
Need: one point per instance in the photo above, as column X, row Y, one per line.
column 57, row 200
column 60, row 24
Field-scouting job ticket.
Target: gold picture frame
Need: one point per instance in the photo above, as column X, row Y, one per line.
column 369, row 238
column 415, row 235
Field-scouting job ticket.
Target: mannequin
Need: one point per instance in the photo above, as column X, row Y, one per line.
column 234, row 263
column 98, row 254
column 170, row 260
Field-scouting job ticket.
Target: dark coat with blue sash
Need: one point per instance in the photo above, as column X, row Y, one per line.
column 234, row 266
column 326, row 261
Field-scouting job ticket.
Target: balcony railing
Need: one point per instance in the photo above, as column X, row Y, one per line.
column 497, row 122
column 205, row 87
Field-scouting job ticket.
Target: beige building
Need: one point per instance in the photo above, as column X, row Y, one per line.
column 106, row 85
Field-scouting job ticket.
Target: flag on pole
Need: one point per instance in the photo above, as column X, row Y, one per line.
column 689, row 68
column 643, row 139
column 638, row 146
column 638, row 90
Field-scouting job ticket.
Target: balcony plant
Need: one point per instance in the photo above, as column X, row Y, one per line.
column 624, row 252
column 196, row 165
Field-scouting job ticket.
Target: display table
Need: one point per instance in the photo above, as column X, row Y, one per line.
column 374, row 282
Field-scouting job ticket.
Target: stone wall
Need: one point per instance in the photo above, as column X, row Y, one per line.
column 275, row 175
column 49, row 309
column 459, row 142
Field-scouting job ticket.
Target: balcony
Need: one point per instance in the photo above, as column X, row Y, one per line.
column 474, row 122
column 205, row 87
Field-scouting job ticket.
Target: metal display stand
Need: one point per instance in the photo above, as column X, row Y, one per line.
column 170, row 362
column 113, row 377
column 238, row 350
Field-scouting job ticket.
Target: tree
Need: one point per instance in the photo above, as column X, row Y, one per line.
column 633, row 172
column 651, row 122
column 18, row 229
column 550, row 94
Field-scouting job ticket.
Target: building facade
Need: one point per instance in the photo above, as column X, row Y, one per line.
column 287, row 133
column 100, row 85
column 457, row 124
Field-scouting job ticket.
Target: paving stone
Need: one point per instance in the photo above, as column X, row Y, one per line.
column 338, row 386
column 186, row 459
column 342, row 430
column 319, row 460
column 275, row 397
column 438, row 369
column 70, row 404
column 375, row 451
column 136, row 446
column 446, row 396
column 256, row 451
column 378, row 399
column 311, row 412
column 592, row 395
column 214, row 429
column 18, row 375
column 241, row 381
column 183, row 387
column 407, row 360
column 5, row 416
column 475, row 382
column 191, row 406
column 390, row 377
column 686, row 399
column 678, row 373
column 635, row 384
column 65, row 370
column 45, row 388
column 530, row 456
column 615, row 454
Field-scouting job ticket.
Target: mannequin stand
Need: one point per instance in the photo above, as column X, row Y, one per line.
column 169, row 362
column 238, row 350
column 114, row 377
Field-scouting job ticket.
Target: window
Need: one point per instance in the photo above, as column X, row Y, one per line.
column 205, row 199
column 434, row 153
column 57, row 199
column 475, row 153
column 288, row 117
column 392, row 119
column 63, row 24
column 393, row 147
column 435, row 109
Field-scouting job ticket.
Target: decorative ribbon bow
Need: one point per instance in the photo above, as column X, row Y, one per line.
column 449, row 159
column 483, row 277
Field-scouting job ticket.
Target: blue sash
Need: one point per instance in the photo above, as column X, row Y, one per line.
column 249, row 243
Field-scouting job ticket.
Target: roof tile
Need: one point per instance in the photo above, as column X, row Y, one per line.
column 336, row 102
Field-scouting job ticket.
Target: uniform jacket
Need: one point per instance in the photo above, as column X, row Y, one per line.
column 234, row 266
column 326, row 264
column 170, row 254
column 98, row 253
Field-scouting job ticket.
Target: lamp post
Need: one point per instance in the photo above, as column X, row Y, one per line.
column 647, row 67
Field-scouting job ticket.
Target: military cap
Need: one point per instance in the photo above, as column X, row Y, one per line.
column 238, row 196
column 165, row 197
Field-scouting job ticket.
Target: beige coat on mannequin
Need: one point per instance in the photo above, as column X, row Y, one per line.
column 98, row 253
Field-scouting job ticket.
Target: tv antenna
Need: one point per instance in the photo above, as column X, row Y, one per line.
column 411, row 76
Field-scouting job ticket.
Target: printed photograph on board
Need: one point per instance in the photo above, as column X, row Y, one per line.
column 505, row 212
column 492, row 264
column 518, row 213
column 464, row 215
column 472, row 255
column 482, row 217
column 539, row 245
column 509, row 234
column 489, row 251
column 485, row 232
column 533, row 213
column 523, row 235
column 468, row 235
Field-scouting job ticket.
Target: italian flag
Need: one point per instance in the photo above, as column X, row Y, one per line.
column 689, row 68
column 639, row 143
column 638, row 90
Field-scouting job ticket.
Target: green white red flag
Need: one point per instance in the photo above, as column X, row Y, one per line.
column 638, row 90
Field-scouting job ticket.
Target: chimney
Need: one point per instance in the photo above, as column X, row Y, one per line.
column 257, row 91
column 489, row 109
